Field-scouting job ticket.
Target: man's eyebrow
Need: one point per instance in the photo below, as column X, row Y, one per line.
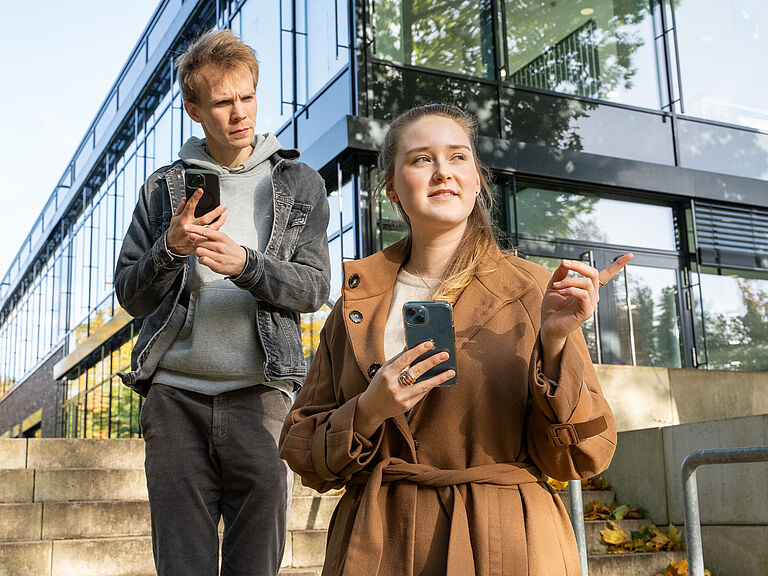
column 423, row 148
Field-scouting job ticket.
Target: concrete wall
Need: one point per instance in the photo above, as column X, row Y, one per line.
column 733, row 499
column 646, row 397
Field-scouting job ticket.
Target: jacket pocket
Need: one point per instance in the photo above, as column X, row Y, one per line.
column 296, row 222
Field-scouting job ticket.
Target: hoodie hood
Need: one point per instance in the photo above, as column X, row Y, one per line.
column 195, row 153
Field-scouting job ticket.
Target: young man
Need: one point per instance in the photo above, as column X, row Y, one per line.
column 220, row 352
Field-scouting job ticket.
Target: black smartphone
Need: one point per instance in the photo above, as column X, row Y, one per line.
column 431, row 320
column 208, row 180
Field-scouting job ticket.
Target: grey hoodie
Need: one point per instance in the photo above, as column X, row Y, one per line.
column 218, row 348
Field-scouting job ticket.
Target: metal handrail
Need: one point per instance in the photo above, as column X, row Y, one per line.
column 693, row 546
column 576, row 504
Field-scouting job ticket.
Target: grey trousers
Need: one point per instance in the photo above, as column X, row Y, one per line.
column 214, row 456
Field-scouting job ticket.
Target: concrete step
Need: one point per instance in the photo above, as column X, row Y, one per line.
column 310, row 571
column 311, row 512
column 605, row 497
column 20, row 521
column 17, row 485
column 25, row 558
column 130, row 556
column 90, row 484
column 13, row 453
column 125, row 556
column 305, row 548
column 95, row 519
column 595, row 541
column 51, row 453
column 638, row 564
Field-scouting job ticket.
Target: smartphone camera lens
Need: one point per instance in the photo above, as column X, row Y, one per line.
column 410, row 312
column 420, row 318
column 197, row 181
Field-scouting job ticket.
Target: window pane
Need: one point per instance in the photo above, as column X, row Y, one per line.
column 736, row 322
column 722, row 60
column 325, row 50
column 396, row 89
column 597, row 48
column 452, row 35
column 588, row 127
column 261, row 31
column 648, row 317
column 585, row 216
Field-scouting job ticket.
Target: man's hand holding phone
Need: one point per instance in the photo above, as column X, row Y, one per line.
column 181, row 241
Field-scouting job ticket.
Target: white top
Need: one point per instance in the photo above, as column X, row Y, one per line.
column 407, row 288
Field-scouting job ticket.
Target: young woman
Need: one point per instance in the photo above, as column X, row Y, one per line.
column 451, row 481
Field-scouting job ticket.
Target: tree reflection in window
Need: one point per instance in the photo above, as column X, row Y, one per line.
column 736, row 322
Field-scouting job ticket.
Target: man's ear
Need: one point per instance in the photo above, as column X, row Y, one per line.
column 192, row 111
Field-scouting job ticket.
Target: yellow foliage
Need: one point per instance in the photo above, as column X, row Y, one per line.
column 613, row 535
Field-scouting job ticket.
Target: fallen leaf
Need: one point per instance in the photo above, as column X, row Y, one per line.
column 613, row 535
column 596, row 511
column 620, row 512
column 675, row 536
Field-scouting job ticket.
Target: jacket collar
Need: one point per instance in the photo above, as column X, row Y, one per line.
column 367, row 295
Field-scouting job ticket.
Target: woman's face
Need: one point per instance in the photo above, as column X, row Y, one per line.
column 435, row 177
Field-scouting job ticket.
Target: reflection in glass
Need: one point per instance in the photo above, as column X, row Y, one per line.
column 722, row 60
column 396, row 89
column 722, row 149
column 260, row 29
column 451, row 35
column 583, row 126
column 588, row 328
column 322, row 43
column 648, row 317
column 594, row 48
column 586, row 216
column 736, row 322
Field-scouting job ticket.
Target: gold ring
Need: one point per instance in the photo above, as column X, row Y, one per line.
column 406, row 378
column 602, row 284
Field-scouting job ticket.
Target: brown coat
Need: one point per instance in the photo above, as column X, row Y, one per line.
column 458, row 489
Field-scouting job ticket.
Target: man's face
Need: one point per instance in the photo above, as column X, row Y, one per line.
column 226, row 109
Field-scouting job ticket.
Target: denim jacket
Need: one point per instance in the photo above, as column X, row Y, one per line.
column 292, row 275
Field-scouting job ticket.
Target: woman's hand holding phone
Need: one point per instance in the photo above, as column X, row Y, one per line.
column 178, row 239
column 387, row 397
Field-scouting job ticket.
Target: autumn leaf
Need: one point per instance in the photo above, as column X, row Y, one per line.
column 620, row 512
column 596, row 511
column 675, row 536
column 557, row 484
column 613, row 535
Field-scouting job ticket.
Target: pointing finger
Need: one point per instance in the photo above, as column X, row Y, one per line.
column 607, row 273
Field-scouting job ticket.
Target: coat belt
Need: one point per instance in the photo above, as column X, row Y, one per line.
column 366, row 543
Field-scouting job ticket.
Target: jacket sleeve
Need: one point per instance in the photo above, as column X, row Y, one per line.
column 302, row 283
column 570, row 432
column 318, row 440
column 145, row 269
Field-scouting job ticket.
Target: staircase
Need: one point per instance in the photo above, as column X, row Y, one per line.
column 604, row 564
column 79, row 508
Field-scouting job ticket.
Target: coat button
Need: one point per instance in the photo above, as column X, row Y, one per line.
column 354, row 281
column 356, row 316
column 373, row 368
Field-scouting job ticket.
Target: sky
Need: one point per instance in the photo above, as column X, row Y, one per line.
column 58, row 60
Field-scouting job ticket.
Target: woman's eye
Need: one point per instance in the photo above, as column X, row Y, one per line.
column 459, row 157
column 420, row 159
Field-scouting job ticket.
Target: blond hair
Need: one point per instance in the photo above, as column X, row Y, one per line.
column 479, row 235
column 220, row 48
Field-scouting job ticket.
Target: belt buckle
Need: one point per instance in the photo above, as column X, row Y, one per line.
column 563, row 435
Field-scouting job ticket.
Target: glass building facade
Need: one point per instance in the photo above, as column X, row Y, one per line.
column 610, row 125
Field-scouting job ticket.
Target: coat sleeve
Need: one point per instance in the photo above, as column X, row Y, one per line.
column 145, row 270
column 318, row 440
column 302, row 283
column 570, row 432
